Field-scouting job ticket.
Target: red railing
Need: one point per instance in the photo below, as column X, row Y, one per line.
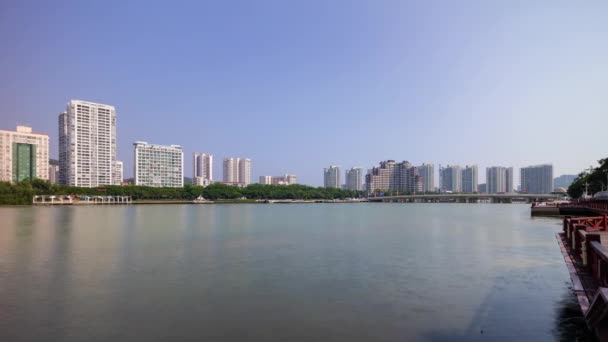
column 584, row 237
column 579, row 231
column 591, row 204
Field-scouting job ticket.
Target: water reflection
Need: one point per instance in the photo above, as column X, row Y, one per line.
column 283, row 272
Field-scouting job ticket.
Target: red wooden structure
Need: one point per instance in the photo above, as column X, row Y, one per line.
column 584, row 243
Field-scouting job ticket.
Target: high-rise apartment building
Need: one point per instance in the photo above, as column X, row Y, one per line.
column 266, row 180
column 393, row 176
column 510, row 185
column 496, row 179
column 87, row 144
column 53, row 171
column 118, row 172
column 331, row 177
column 427, row 175
column 24, row 155
column 450, row 178
column 202, row 169
column 354, row 179
column 237, row 170
column 537, row 179
column 469, row 179
column 158, row 165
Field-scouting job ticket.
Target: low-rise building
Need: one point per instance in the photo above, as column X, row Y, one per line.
column 286, row 179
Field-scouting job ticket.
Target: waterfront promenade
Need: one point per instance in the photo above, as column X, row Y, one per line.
column 584, row 245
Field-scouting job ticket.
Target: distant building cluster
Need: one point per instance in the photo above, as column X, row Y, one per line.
column 392, row 176
column 87, row 158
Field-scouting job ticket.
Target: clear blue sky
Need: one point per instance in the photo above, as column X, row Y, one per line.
column 299, row 85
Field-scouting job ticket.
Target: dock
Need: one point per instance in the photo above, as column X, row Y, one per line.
column 577, row 208
column 584, row 245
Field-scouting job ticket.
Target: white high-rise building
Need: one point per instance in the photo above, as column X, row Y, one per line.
column 87, row 144
column 237, row 171
column 202, row 168
column 427, row 175
column 158, row 165
column 354, row 179
column 245, row 171
column 499, row 179
column 118, row 173
column 24, row 155
column 331, row 177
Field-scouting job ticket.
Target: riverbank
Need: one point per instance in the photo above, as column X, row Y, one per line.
column 24, row 192
column 217, row 201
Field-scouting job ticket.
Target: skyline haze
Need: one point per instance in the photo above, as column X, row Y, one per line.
column 299, row 86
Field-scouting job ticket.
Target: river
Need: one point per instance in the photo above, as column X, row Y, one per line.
column 283, row 272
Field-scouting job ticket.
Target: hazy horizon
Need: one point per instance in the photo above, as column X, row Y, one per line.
column 300, row 86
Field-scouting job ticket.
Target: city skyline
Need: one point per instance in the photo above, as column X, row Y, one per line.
column 495, row 77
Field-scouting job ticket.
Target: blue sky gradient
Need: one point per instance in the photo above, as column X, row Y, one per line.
column 299, row 85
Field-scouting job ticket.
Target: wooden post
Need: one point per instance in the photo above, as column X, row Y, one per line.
column 592, row 258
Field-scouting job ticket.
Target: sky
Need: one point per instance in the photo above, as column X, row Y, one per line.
column 300, row 85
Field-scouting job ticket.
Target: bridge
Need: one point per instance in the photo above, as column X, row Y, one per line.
column 467, row 198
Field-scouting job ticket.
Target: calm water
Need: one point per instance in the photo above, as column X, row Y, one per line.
column 309, row 272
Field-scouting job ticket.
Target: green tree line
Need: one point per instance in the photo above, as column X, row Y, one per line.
column 23, row 192
column 595, row 179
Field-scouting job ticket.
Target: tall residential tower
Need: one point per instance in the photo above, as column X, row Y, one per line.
column 469, row 179
column 331, row 177
column 237, row 170
column 202, row 169
column 87, row 144
column 427, row 175
column 499, row 179
column 537, row 179
column 450, row 178
column 354, row 179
